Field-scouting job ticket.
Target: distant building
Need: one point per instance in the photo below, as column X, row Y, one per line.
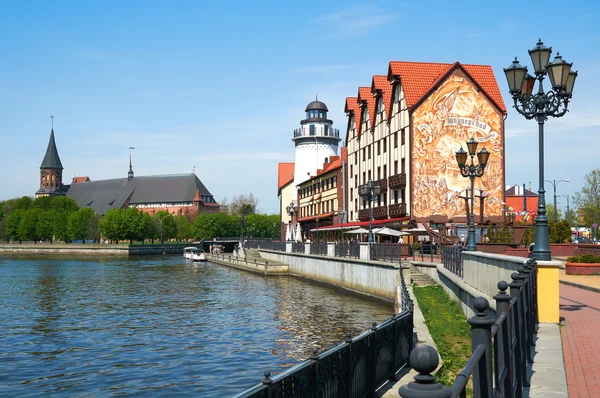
column 178, row 194
column 520, row 203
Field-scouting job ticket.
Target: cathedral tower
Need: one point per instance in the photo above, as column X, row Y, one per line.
column 51, row 171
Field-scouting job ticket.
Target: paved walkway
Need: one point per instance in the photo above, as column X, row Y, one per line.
column 590, row 282
column 581, row 343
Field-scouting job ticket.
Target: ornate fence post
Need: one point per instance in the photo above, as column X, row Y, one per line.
column 502, row 349
column 481, row 334
column 424, row 359
column 517, row 321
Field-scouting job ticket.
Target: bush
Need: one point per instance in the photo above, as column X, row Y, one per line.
column 586, row 258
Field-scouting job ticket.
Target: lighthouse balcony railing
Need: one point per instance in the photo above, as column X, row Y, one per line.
column 318, row 131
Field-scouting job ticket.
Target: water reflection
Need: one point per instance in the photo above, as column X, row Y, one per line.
column 150, row 325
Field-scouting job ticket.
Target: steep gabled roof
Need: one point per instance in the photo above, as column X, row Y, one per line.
column 382, row 85
column 516, row 190
column 352, row 110
column 419, row 78
column 366, row 97
column 285, row 175
column 80, row 179
column 51, row 159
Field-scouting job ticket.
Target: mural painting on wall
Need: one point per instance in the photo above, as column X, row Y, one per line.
column 442, row 124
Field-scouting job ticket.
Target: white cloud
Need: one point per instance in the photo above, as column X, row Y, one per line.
column 356, row 19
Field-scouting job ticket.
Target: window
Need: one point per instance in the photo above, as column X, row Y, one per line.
column 403, row 166
column 397, row 93
column 379, row 172
column 369, row 175
column 385, row 171
column 379, row 147
column 385, row 145
column 403, row 195
column 365, row 153
column 396, row 139
column 356, row 157
column 403, row 136
column 369, row 151
column 395, row 196
column 364, row 180
column 311, row 129
column 395, row 167
column 352, row 215
column 355, row 180
column 351, row 192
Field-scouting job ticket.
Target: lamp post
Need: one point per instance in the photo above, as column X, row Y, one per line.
column 369, row 191
column 471, row 171
column 291, row 210
column 567, row 215
column 539, row 106
column 160, row 220
column 554, row 184
column 242, row 221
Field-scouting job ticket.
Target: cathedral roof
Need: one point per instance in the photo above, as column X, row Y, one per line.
column 51, row 159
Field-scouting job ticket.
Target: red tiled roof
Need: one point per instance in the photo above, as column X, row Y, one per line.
column 364, row 94
column 80, row 179
column 418, row 78
column 353, row 109
column 382, row 84
column 285, row 174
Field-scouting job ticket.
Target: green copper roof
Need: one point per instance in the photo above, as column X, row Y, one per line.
column 51, row 160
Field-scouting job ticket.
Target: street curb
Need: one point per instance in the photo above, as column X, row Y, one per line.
column 590, row 288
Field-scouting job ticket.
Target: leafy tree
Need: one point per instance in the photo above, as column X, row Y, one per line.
column 113, row 225
column 183, row 227
column 147, row 227
column 571, row 217
column 43, row 202
column 28, row 225
column 588, row 200
column 12, row 224
column 134, row 228
column 203, row 227
column 168, row 225
column 45, row 226
column 560, row 232
column 238, row 202
column 61, row 223
column 3, row 235
column 80, row 224
column 63, row 203
column 24, row 202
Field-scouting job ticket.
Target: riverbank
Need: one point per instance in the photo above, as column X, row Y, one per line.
column 92, row 249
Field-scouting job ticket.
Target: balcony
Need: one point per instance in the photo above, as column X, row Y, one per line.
column 364, row 214
column 383, row 184
column 398, row 210
column 398, row 180
column 380, row 212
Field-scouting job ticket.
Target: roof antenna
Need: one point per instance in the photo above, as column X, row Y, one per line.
column 130, row 173
column 52, row 117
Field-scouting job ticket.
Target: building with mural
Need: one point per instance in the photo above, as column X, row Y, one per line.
column 403, row 132
column 178, row 194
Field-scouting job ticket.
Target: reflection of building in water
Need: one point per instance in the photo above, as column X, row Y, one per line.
column 403, row 132
column 312, row 319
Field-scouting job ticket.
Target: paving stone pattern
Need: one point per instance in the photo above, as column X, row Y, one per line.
column 581, row 340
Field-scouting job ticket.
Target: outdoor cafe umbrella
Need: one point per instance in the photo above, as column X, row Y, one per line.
column 298, row 236
column 358, row 231
column 389, row 231
column 288, row 232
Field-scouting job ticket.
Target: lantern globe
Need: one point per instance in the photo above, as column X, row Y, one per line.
column 483, row 157
column 528, row 83
column 558, row 72
column 376, row 190
column 472, row 146
column 570, row 83
column 515, row 74
column 461, row 157
column 540, row 56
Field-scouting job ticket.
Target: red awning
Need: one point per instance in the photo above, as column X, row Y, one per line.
column 364, row 223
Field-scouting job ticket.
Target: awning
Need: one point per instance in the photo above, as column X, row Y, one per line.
column 358, row 231
column 389, row 232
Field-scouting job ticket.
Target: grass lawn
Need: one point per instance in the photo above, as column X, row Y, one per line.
column 448, row 327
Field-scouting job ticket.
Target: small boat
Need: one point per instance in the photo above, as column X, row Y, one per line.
column 198, row 255
column 188, row 252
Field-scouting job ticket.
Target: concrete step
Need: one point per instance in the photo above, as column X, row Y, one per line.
column 421, row 279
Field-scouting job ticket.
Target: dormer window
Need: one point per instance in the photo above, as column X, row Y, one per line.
column 380, row 106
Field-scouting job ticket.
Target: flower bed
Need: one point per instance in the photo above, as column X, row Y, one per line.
column 583, row 265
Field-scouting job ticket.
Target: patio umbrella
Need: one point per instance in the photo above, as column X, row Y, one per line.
column 358, row 231
column 288, row 232
column 298, row 235
column 389, row 232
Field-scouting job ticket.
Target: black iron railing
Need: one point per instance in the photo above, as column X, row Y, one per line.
column 386, row 252
column 298, row 247
column 452, row 258
column 353, row 368
column 501, row 347
column 319, row 249
column 347, row 249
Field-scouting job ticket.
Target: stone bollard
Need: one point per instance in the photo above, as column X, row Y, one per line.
column 424, row 359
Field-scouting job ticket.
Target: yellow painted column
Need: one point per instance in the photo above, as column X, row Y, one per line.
column 547, row 291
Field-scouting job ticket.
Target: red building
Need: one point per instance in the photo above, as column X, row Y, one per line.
column 521, row 204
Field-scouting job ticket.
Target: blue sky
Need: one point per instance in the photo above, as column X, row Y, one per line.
column 221, row 85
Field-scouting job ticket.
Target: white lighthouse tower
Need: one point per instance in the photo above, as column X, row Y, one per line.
column 316, row 142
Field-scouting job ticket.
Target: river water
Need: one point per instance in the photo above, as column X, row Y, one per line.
column 156, row 326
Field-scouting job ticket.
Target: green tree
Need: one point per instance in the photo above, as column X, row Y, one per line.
column 113, row 225
column 560, row 232
column 45, row 226
column 588, row 199
column 147, row 228
column 61, row 223
column 3, row 235
column 167, row 226
column 183, row 226
column 28, row 225
column 80, row 224
column 43, row 202
column 12, row 224
column 203, row 227
column 133, row 224
column 63, row 203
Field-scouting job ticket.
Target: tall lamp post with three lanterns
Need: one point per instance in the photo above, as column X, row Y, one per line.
column 370, row 191
column 471, row 171
column 539, row 106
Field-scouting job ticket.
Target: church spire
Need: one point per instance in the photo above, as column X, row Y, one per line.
column 51, row 159
column 51, row 170
column 130, row 173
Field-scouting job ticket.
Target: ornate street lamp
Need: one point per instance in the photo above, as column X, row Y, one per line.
column 471, row 171
column 370, row 191
column 291, row 209
column 554, row 184
column 539, row 106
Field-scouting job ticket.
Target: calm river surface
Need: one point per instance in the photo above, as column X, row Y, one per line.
column 155, row 326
